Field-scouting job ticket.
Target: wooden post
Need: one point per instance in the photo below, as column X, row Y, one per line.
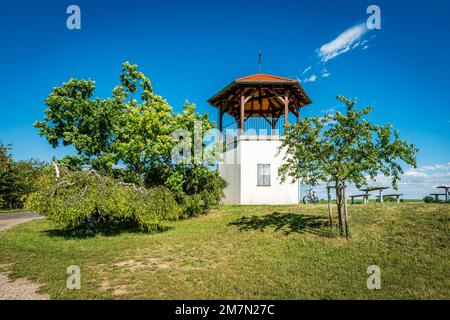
column 347, row 231
column 446, row 194
column 286, row 110
column 241, row 113
column 339, row 207
column 220, row 124
column 381, row 196
column 330, row 217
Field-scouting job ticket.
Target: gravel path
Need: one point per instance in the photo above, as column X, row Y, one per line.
column 9, row 220
column 17, row 289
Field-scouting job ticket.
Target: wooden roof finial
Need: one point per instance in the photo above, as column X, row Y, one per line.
column 260, row 61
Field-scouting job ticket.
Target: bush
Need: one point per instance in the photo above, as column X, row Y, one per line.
column 430, row 199
column 16, row 179
column 196, row 188
column 389, row 199
column 202, row 202
column 80, row 198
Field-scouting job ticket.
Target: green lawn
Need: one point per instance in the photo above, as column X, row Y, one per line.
column 5, row 211
column 249, row 252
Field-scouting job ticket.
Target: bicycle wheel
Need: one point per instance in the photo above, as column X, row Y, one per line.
column 305, row 200
column 315, row 199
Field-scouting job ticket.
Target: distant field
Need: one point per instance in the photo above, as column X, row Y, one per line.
column 250, row 252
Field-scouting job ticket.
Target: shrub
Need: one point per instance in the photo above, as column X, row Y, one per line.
column 389, row 199
column 430, row 199
column 197, row 188
column 202, row 202
column 78, row 198
column 16, row 179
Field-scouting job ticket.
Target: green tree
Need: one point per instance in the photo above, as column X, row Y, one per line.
column 345, row 148
column 129, row 135
column 133, row 126
column 16, row 178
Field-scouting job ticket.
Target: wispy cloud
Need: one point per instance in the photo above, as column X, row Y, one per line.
column 325, row 73
column 346, row 41
column 311, row 78
column 306, row 70
column 434, row 167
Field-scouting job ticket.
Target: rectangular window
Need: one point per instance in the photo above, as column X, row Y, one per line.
column 263, row 175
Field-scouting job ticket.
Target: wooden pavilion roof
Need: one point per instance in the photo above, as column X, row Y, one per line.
column 262, row 94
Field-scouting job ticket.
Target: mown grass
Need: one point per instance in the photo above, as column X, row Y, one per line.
column 5, row 211
column 245, row 252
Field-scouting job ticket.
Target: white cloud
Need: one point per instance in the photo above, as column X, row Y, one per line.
column 414, row 173
column 312, row 78
column 347, row 40
column 434, row 167
column 306, row 70
column 325, row 74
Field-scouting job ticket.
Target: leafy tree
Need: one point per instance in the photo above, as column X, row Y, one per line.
column 16, row 178
column 87, row 199
column 341, row 149
column 129, row 135
column 106, row 131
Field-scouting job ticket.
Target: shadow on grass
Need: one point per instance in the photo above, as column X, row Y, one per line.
column 287, row 223
column 109, row 230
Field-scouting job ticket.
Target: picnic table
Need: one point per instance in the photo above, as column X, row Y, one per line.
column 380, row 189
column 365, row 197
column 446, row 188
column 396, row 195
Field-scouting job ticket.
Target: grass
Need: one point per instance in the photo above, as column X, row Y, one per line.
column 5, row 211
column 376, row 201
column 245, row 252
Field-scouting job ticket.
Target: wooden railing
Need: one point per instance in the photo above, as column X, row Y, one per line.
column 255, row 127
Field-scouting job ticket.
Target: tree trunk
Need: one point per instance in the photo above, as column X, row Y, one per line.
column 339, row 208
column 330, row 217
column 344, row 194
column 55, row 165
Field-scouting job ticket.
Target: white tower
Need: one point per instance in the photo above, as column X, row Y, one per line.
column 258, row 106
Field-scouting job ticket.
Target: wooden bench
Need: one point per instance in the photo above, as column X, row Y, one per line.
column 396, row 195
column 365, row 197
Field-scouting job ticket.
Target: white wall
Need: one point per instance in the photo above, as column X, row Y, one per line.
column 239, row 168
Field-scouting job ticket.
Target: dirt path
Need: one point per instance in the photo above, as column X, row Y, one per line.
column 9, row 220
column 17, row 289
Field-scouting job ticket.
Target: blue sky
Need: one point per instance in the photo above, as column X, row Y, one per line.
column 192, row 49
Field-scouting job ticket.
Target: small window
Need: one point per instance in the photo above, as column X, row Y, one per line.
column 263, row 175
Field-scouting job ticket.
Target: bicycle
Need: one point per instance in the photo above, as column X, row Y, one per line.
column 311, row 197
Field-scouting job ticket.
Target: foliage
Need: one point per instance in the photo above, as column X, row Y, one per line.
column 131, row 135
column 430, row 199
column 387, row 199
column 344, row 148
column 202, row 201
column 16, row 178
column 77, row 198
